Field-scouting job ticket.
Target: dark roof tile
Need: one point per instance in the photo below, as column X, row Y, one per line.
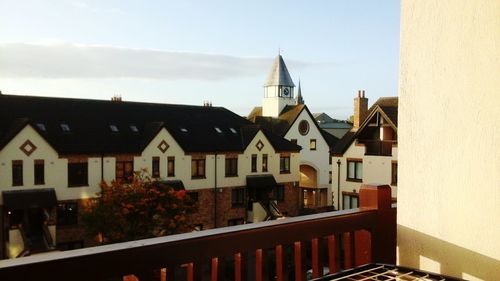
column 90, row 120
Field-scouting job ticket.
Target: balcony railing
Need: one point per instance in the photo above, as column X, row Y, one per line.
column 273, row 250
column 377, row 147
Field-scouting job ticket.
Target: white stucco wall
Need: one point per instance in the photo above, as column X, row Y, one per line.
column 319, row 158
column 273, row 105
column 449, row 120
column 376, row 170
column 56, row 168
column 56, row 175
column 183, row 163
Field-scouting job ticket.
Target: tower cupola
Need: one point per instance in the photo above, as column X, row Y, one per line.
column 278, row 89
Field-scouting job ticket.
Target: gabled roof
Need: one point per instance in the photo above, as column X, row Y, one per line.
column 194, row 128
column 280, row 125
column 286, row 119
column 387, row 106
column 279, row 75
column 327, row 122
column 330, row 139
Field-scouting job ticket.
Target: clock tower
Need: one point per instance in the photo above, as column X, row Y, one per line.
column 278, row 89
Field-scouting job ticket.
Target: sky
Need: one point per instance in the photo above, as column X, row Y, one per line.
column 191, row 51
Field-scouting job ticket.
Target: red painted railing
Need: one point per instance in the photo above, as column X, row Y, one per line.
column 273, row 250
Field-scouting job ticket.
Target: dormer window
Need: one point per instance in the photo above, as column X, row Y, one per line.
column 41, row 127
column 233, row 130
column 113, row 128
column 134, row 128
column 218, row 130
column 184, row 130
column 65, row 128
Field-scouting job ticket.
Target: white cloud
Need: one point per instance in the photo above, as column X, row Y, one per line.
column 63, row 60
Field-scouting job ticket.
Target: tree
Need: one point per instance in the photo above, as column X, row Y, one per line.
column 143, row 208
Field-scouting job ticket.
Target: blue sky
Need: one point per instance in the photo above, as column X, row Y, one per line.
column 190, row 51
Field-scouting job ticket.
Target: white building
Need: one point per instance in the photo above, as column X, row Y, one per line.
column 287, row 116
column 54, row 153
column 449, row 188
column 368, row 153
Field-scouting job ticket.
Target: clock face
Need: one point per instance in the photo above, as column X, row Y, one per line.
column 286, row 92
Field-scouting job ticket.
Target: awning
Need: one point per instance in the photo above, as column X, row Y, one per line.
column 261, row 181
column 175, row 184
column 29, row 198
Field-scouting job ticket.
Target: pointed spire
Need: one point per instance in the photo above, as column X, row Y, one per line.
column 279, row 75
column 300, row 99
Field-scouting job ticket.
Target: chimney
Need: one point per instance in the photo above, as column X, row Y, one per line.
column 360, row 109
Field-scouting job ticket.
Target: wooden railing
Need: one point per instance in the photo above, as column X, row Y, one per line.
column 273, row 250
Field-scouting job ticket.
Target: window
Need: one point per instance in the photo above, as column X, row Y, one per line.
column 233, row 130
column 303, row 127
column 192, row 199
column 39, row 172
column 184, row 130
column 113, row 128
column 77, row 174
column 294, row 141
column 65, row 128
column 238, row 197
column 134, row 128
column 124, row 170
column 218, row 130
column 285, row 164
column 193, row 195
column 264, row 163
column 330, row 177
column 171, row 166
column 349, row 200
column 17, row 172
column 198, row 168
column 354, row 170
column 312, row 144
column 41, row 127
column 231, row 167
column 394, row 173
column 280, row 193
column 235, row 222
column 67, row 213
column 254, row 163
column 156, row 167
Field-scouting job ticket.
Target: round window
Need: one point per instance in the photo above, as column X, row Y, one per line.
column 303, row 127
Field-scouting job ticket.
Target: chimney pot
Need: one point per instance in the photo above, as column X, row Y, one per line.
column 360, row 109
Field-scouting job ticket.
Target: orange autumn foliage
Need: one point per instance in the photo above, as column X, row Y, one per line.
column 143, row 208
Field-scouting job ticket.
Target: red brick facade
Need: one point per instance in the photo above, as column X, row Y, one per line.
column 291, row 203
column 226, row 212
column 74, row 233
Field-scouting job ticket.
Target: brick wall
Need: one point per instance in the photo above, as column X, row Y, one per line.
column 204, row 214
column 290, row 205
column 225, row 211
column 205, row 208
column 71, row 233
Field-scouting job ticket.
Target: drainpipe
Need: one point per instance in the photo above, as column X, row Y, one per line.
column 215, row 191
column 102, row 167
column 338, row 184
